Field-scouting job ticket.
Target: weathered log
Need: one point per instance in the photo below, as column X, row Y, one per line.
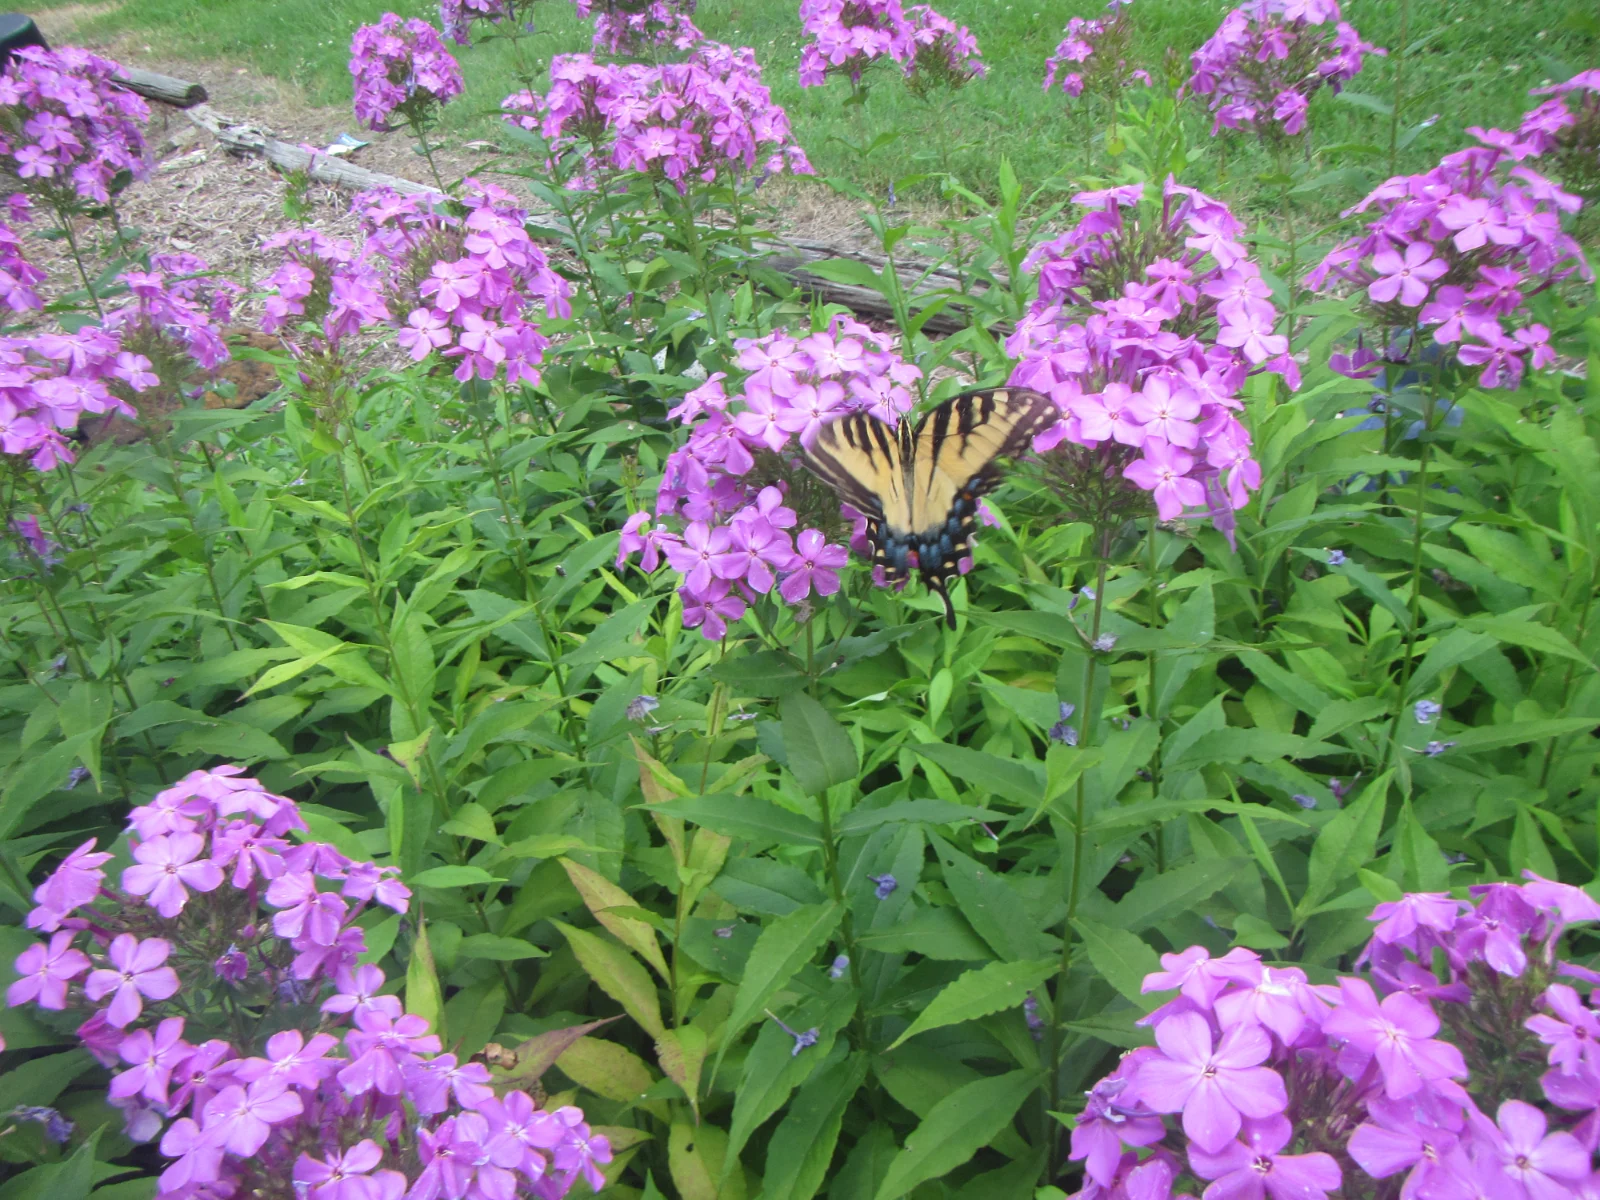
column 789, row 257
column 179, row 93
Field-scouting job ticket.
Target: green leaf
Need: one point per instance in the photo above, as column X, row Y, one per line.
column 992, row 907
column 802, row 1146
column 1518, row 733
column 495, row 948
column 783, row 948
column 603, row 898
column 957, row 1128
column 1019, row 782
column 618, row 976
column 472, row 820
column 1121, row 958
column 763, row 885
column 929, row 812
column 1238, row 745
column 977, row 993
column 939, row 933
column 610, row 638
column 846, row 270
column 1521, row 629
column 1158, row 898
column 744, row 817
column 453, row 877
column 1148, row 812
column 1346, row 843
column 820, row 753
column 40, row 1080
column 423, row 996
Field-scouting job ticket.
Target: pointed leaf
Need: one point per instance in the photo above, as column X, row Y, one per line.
column 783, row 948
column 957, row 1128
column 618, row 976
column 819, row 751
column 602, row 897
column 802, row 1146
column 989, row 989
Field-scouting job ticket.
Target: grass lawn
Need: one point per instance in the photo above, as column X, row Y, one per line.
column 1475, row 68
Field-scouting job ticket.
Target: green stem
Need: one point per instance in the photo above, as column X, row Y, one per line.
column 1158, row 834
column 194, row 527
column 77, row 257
column 1399, row 60
column 1417, row 531
column 1087, row 721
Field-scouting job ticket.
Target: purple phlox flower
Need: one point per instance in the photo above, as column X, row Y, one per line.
column 317, row 915
column 1279, row 1000
column 367, row 881
column 207, row 1070
column 251, row 850
column 1399, row 920
column 1398, row 1032
column 1202, row 978
column 1570, row 1032
column 380, row 1047
column 431, row 1083
column 1109, row 1122
column 151, row 1059
column 344, row 1174
column 198, row 1157
column 886, row 885
column 138, row 972
column 1405, row 278
column 1416, row 1135
column 357, row 991
column 1254, row 1167
column 1214, row 1088
column 1534, row 1164
column 74, row 883
column 1397, row 973
column 292, row 1060
column 814, row 567
column 46, row 971
column 167, row 868
column 1573, row 903
column 1494, row 932
column 241, row 1119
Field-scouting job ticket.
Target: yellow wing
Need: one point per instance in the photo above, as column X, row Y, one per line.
column 920, row 488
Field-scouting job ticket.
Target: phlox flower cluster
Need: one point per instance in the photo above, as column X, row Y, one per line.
column 401, row 69
column 1564, row 131
column 723, row 519
column 48, row 381
column 67, row 131
column 328, row 1091
column 1460, row 250
column 1092, row 56
column 456, row 17
column 173, row 315
column 324, row 282
column 469, row 287
column 703, row 120
column 639, row 28
column 1263, row 1084
column 18, row 276
column 846, row 37
column 1175, row 315
column 1268, row 57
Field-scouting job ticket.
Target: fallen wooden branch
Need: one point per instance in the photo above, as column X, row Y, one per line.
column 179, row 93
column 791, row 258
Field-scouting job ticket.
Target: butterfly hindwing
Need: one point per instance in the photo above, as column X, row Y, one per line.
column 919, row 487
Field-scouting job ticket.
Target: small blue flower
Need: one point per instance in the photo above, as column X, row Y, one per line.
column 1030, row 1014
column 75, row 776
column 1434, row 749
column 1061, row 732
column 840, row 966
column 641, row 707
column 1427, row 711
column 56, row 1127
column 1336, row 558
column 725, row 932
column 1106, row 641
column 886, row 885
column 803, row 1040
column 1303, row 800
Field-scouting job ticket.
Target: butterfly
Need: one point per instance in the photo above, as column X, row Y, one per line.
column 919, row 486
